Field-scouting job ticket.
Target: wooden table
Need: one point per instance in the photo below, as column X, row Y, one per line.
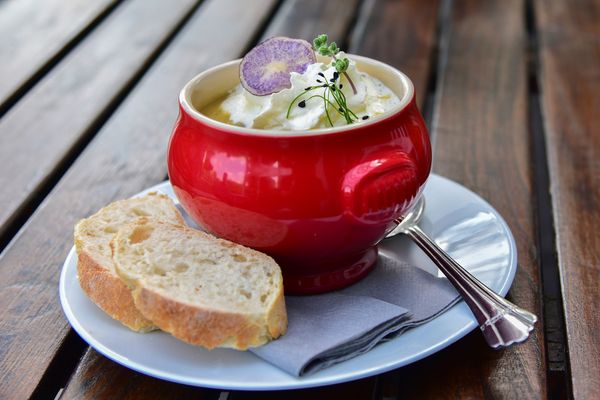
column 510, row 90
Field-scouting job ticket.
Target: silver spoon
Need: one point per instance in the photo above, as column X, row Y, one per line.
column 501, row 322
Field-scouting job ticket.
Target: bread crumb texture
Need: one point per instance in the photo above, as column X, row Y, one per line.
column 203, row 290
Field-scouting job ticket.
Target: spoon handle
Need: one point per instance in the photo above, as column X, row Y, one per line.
column 501, row 322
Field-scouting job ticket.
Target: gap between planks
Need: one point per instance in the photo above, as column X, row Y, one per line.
column 557, row 364
column 12, row 98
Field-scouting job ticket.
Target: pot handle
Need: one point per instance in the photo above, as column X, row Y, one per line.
column 378, row 190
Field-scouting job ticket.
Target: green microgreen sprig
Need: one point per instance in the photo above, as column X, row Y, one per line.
column 321, row 46
column 333, row 98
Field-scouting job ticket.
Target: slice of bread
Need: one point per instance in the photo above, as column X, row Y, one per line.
column 95, row 267
column 203, row 290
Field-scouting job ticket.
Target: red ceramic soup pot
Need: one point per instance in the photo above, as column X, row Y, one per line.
column 317, row 201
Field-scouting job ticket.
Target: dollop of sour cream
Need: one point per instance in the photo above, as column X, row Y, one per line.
column 372, row 98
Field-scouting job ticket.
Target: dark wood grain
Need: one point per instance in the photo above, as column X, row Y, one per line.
column 480, row 131
column 97, row 377
column 400, row 33
column 569, row 45
column 127, row 155
column 305, row 19
column 452, row 373
column 33, row 32
column 481, row 136
column 360, row 389
column 63, row 108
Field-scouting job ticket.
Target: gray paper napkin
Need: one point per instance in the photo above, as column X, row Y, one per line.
column 327, row 329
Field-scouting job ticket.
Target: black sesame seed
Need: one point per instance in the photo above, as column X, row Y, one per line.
column 335, row 75
column 321, row 74
column 308, row 88
column 302, row 104
column 341, row 86
column 325, row 85
column 365, row 117
column 320, row 81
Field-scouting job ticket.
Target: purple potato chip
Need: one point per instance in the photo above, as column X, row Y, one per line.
column 267, row 67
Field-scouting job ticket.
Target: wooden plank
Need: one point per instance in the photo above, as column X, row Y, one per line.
column 456, row 372
column 127, row 155
column 360, row 389
column 305, row 19
column 67, row 104
column 400, row 33
column 34, row 32
column 569, row 45
column 480, row 131
column 97, row 377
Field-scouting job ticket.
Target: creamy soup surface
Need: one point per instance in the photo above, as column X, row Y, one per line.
column 299, row 108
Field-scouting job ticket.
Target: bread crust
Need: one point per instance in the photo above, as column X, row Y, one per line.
column 277, row 316
column 210, row 328
column 109, row 293
column 101, row 283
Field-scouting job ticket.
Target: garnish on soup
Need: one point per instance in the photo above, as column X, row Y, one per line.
column 330, row 49
column 266, row 69
column 284, row 87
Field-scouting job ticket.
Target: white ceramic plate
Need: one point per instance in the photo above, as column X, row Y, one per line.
column 459, row 220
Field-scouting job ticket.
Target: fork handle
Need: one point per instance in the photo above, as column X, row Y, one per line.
column 501, row 322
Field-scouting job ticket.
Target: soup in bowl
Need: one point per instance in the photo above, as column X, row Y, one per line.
column 317, row 200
